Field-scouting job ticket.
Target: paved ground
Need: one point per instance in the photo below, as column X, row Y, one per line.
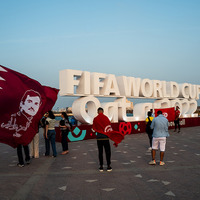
column 76, row 176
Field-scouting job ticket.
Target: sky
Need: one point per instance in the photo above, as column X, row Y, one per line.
column 154, row 39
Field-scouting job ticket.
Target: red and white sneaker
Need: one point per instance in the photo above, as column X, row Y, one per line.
column 162, row 163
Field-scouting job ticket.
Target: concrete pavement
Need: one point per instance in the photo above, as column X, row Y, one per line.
column 75, row 176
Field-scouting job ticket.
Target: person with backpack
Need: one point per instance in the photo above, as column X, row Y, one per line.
column 149, row 131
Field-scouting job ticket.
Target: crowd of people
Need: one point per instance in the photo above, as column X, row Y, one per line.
column 156, row 128
column 48, row 124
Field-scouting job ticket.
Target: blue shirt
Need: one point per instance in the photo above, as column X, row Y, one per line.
column 160, row 126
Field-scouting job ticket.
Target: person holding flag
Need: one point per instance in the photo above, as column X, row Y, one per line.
column 23, row 103
column 104, row 131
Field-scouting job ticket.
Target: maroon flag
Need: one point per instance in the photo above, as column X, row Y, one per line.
column 167, row 112
column 23, row 103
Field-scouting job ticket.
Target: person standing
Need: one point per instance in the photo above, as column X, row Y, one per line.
column 65, row 127
column 43, row 125
column 50, row 133
column 102, row 140
column 177, row 119
column 152, row 113
column 20, row 155
column 160, row 133
column 149, row 131
column 34, row 145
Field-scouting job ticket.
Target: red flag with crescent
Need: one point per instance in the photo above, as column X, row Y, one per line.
column 23, row 103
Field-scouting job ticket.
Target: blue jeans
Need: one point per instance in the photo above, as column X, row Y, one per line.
column 51, row 134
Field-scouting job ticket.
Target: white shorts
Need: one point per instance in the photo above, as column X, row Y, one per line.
column 159, row 142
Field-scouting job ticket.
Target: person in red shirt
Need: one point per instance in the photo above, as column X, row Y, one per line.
column 177, row 119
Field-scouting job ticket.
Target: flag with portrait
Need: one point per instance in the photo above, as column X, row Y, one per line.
column 23, row 103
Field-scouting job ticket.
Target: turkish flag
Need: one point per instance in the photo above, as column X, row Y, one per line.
column 102, row 124
column 169, row 113
column 23, row 103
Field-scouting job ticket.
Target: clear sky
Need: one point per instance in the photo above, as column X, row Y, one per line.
column 154, row 39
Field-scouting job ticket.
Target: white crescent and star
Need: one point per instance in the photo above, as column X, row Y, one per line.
column 2, row 79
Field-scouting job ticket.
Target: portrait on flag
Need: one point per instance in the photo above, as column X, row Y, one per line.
column 28, row 108
column 23, row 103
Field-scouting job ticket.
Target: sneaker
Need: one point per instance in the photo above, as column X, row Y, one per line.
column 101, row 168
column 150, row 148
column 153, row 162
column 179, row 131
column 162, row 163
column 64, row 152
column 109, row 169
column 28, row 162
column 20, row 165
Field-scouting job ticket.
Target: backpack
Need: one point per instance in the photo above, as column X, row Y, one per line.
column 148, row 127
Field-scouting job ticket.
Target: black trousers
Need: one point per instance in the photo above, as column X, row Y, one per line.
column 150, row 139
column 150, row 133
column 46, row 146
column 64, row 140
column 20, row 154
column 106, row 145
column 177, row 123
